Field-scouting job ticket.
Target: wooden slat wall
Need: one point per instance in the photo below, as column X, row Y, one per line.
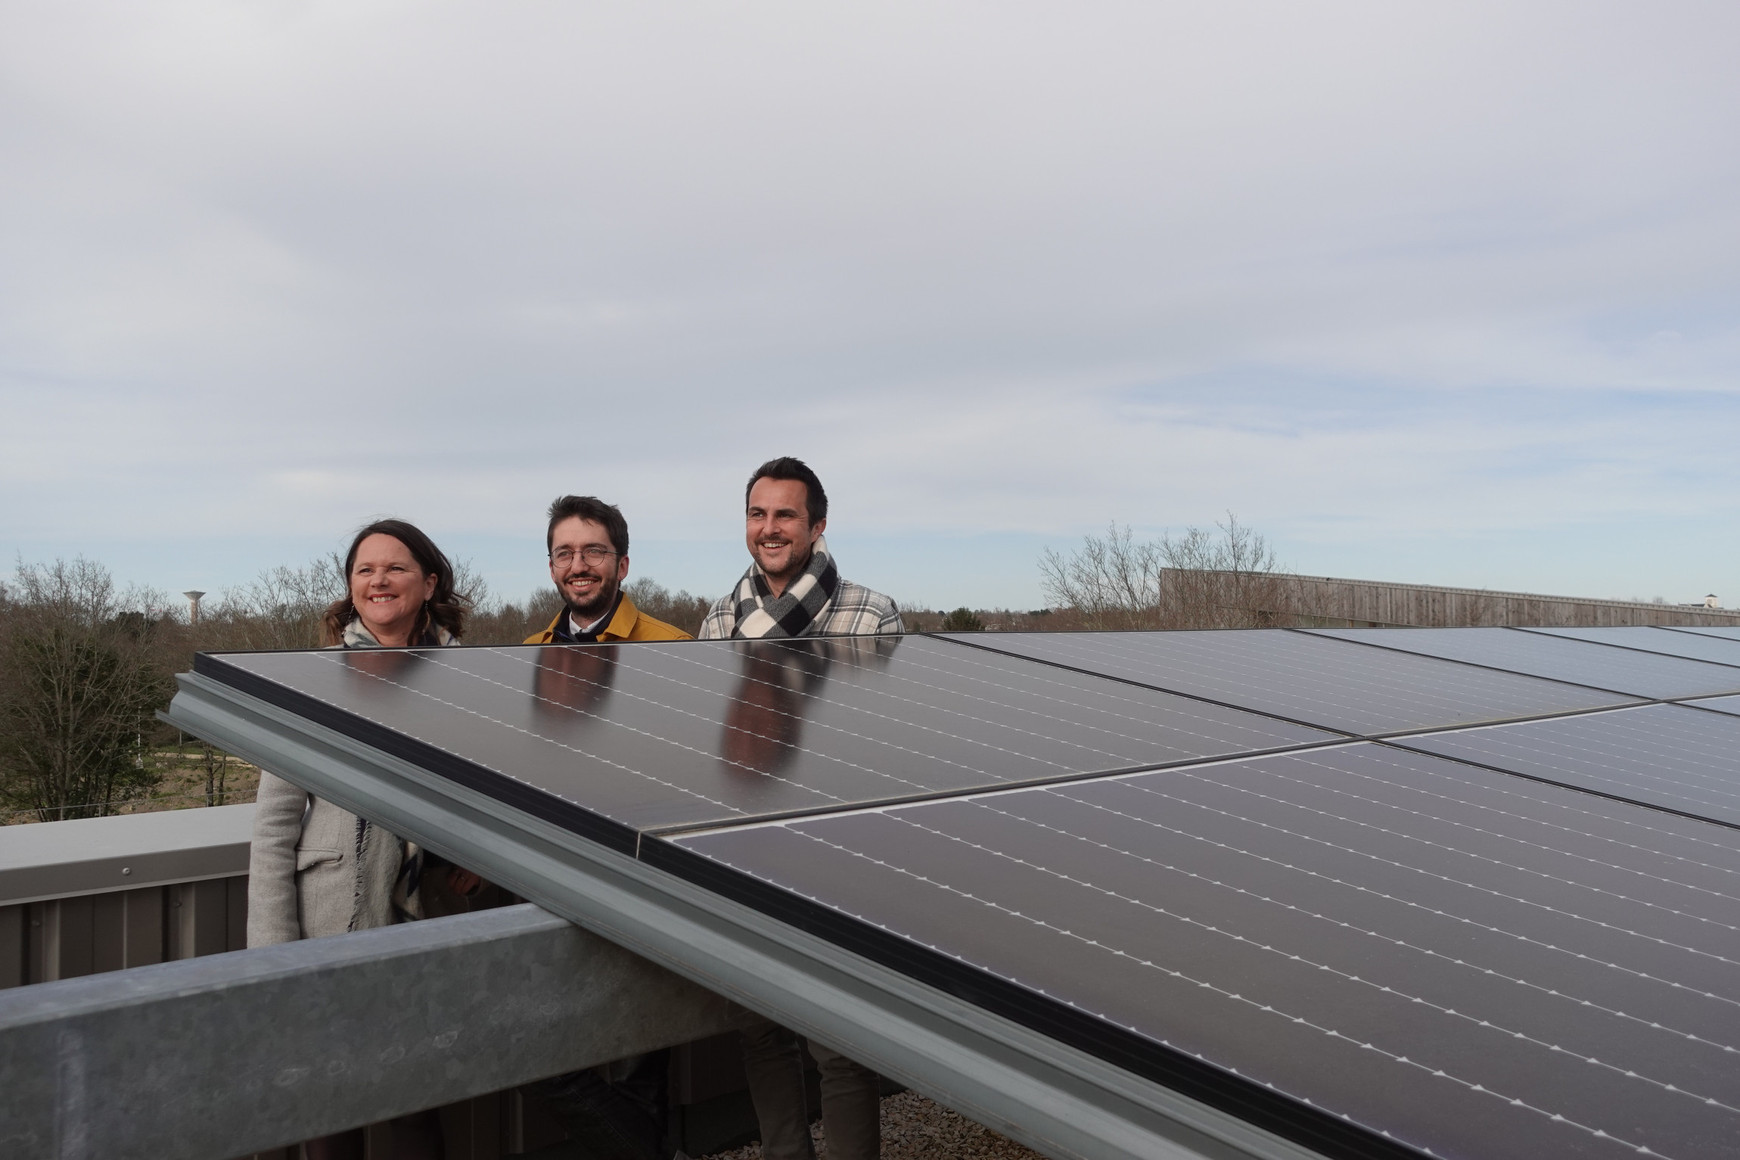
column 1327, row 601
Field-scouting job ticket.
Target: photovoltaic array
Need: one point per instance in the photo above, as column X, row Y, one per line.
column 1460, row 893
column 1725, row 632
column 651, row 736
column 1671, row 756
column 1696, row 645
column 1305, row 678
column 1639, row 673
column 1474, row 964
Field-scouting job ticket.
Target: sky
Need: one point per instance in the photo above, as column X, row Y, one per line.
column 1434, row 294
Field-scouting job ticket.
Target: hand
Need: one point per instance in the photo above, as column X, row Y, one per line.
column 463, row 882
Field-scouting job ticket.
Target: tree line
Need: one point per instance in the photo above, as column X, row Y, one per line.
column 85, row 664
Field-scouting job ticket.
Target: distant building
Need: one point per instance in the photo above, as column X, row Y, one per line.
column 1333, row 602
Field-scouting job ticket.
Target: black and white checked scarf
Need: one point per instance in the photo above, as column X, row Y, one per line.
column 761, row 615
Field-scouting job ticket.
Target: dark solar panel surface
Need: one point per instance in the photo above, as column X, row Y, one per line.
column 1555, row 658
column 1726, row 632
column 1659, row 640
column 1664, row 755
column 1470, row 963
column 651, row 735
column 1318, row 680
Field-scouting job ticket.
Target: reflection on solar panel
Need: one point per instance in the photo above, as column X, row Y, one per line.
column 1664, row 755
column 1555, row 658
column 1719, row 704
column 1322, row 682
column 1660, row 640
column 654, row 735
column 1458, row 960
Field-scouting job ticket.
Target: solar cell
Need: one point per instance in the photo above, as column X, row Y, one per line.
column 648, row 735
column 1461, row 961
column 1663, row 755
column 1555, row 658
column 1657, row 640
column 1313, row 679
column 1719, row 704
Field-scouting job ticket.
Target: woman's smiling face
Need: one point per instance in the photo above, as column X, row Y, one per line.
column 388, row 588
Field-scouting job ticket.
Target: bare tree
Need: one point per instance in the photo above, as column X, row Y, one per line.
column 682, row 609
column 82, row 671
column 1112, row 582
column 1224, row 578
column 279, row 610
column 216, row 764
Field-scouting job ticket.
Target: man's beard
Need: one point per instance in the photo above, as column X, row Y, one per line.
column 602, row 598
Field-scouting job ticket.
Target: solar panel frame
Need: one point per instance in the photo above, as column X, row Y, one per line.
column 938, row 953
column 1554, row 658
column 1310, row 679
column 1699, row 647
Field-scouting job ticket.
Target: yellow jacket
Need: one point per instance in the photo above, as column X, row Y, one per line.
column 629, row 623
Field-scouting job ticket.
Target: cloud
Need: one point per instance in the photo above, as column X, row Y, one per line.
column 1356, row 272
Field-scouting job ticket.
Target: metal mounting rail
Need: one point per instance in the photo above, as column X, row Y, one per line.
column 1055, row 1098
column 235, row 1053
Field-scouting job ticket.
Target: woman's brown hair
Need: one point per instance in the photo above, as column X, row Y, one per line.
column 444, row 607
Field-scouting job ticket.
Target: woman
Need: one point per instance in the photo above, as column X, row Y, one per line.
column 315, row 869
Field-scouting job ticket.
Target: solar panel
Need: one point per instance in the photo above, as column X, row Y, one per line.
column 1663, row 755
column 1555, row 658
column 1719, row 704
column 1417, row 950
column 632, row 737
column 1659, row 640
column 1726, row 631
column 1312, row 679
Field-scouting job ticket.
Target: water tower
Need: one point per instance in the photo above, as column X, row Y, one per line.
column 193, row 605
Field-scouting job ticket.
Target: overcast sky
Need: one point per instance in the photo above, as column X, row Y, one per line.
column 1432, row 296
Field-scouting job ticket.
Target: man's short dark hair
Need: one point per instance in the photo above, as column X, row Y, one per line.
column 785, row 467
column 592, row 508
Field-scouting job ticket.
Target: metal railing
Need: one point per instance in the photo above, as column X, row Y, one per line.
column 99, row 894
column 86, row 897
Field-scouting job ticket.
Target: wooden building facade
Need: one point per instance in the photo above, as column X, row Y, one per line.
column 1332, row 602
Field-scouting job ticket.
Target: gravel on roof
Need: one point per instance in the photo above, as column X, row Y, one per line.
column 916, row 1128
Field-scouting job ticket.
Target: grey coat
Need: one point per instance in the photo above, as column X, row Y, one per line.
column 315, row 869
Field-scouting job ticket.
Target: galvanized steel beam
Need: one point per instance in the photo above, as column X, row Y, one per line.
column 1060, row 1100
column 241, row 1052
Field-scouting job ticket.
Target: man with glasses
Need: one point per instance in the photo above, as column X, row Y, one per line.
column 588, row 546
column 618, row 1111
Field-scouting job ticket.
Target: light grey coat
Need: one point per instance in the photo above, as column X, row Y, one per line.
column 315, row 869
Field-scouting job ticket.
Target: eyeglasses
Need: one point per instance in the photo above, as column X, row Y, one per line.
column 592, row 554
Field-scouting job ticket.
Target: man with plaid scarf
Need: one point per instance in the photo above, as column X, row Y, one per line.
column 793, row 589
